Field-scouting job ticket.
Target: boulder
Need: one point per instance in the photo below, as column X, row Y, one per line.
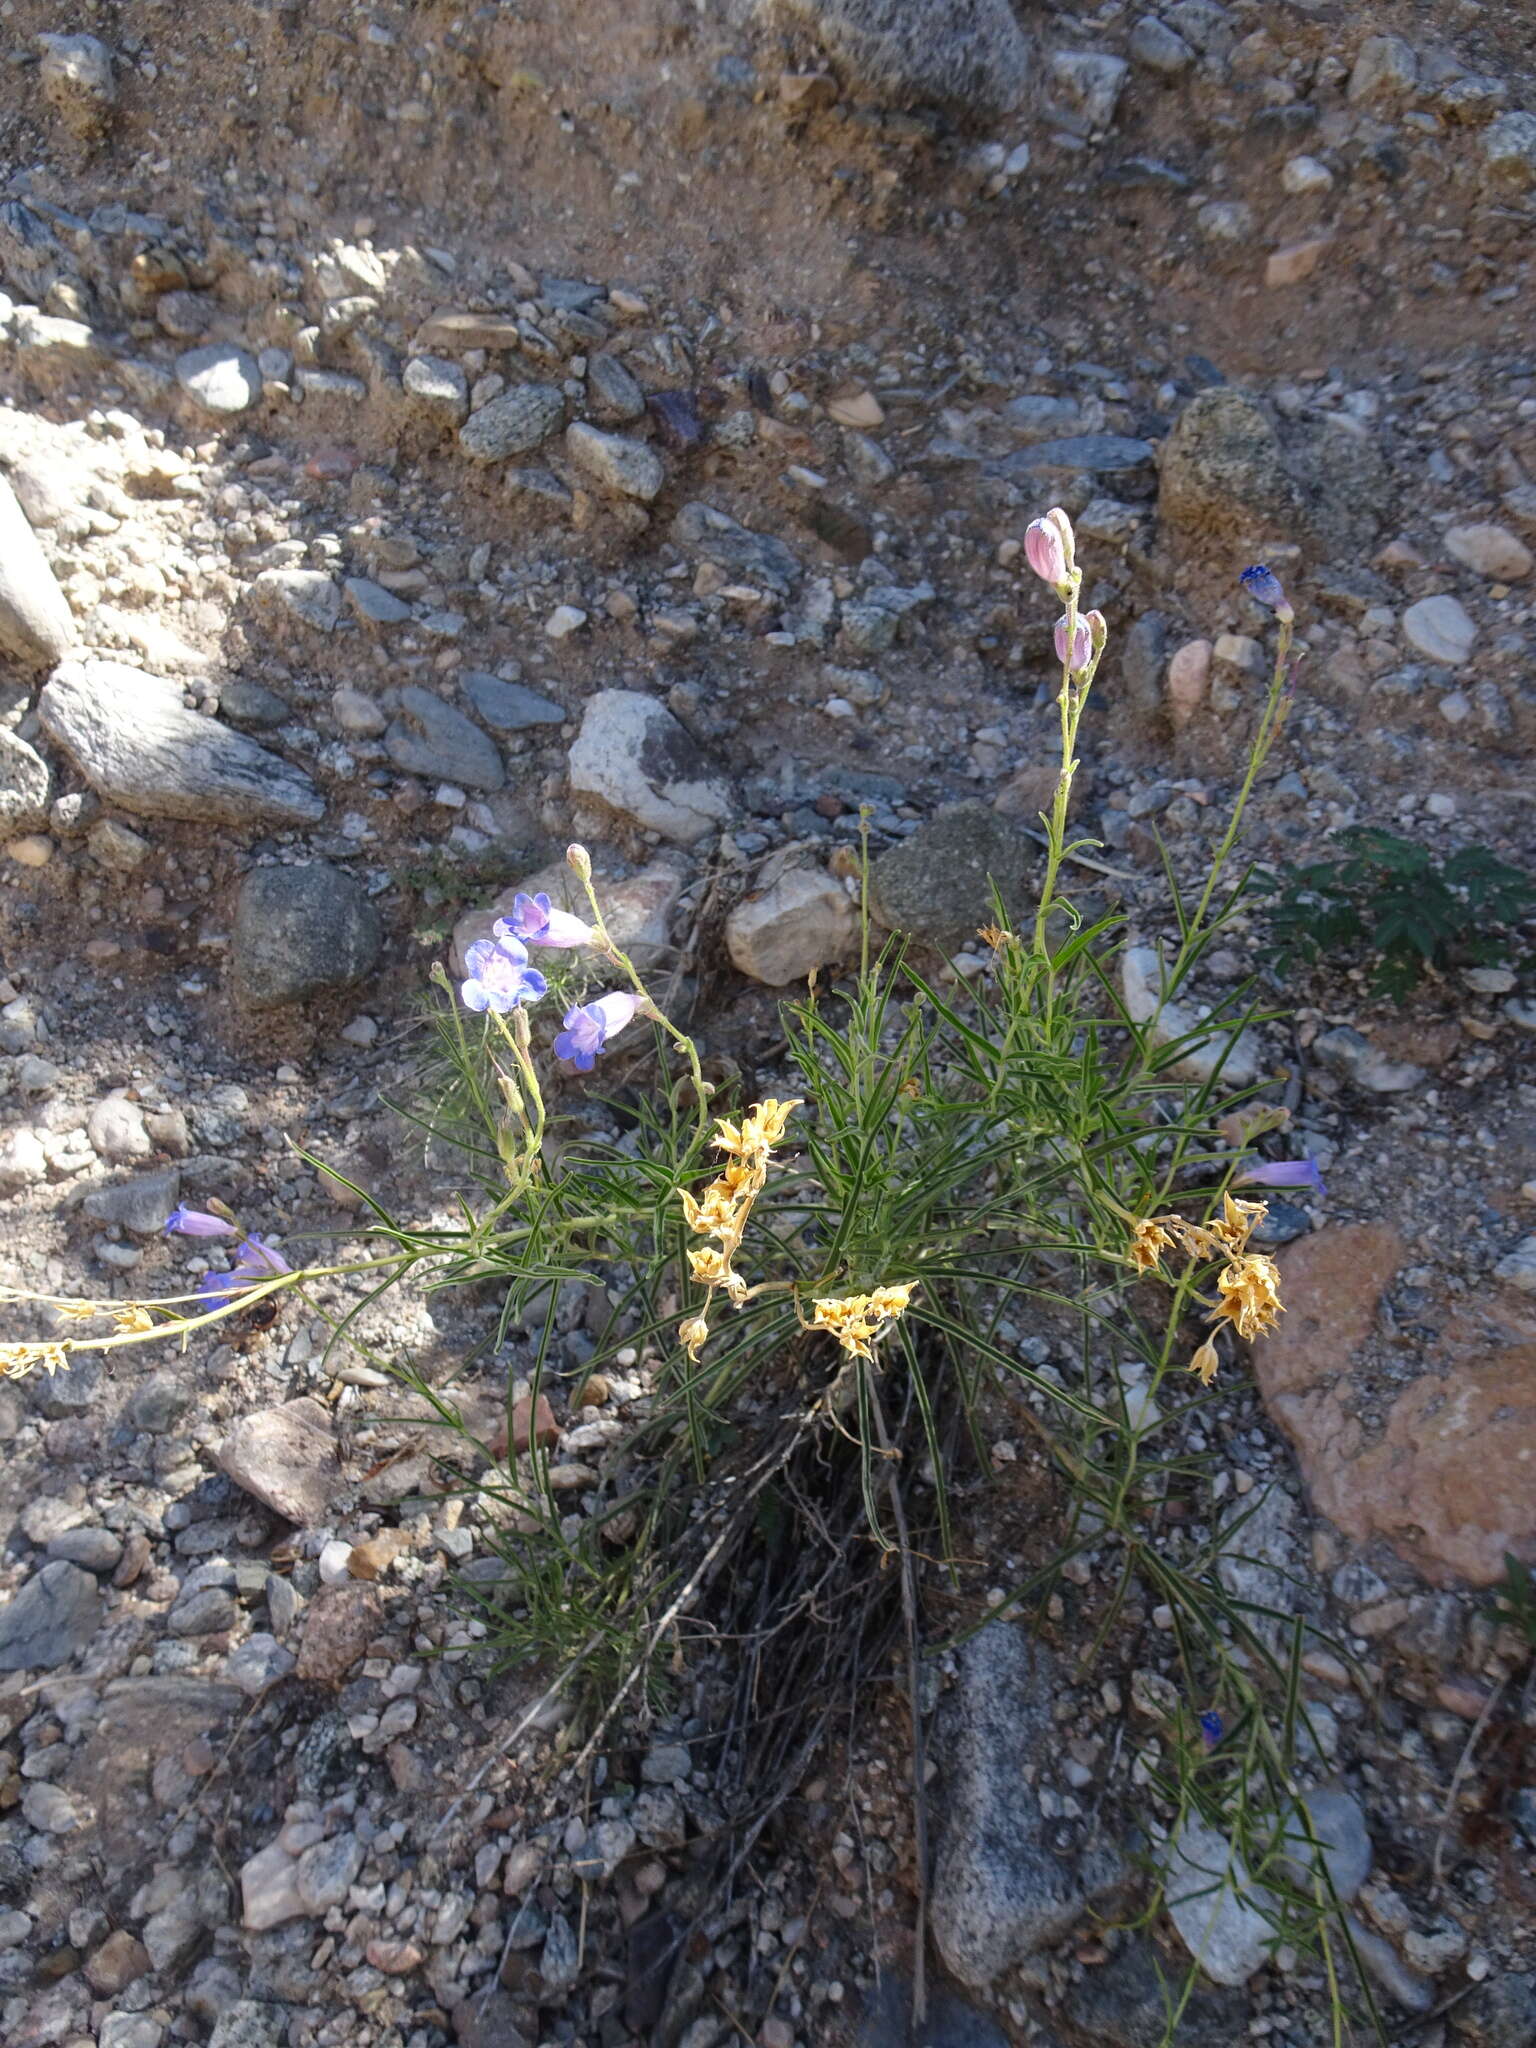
column 969, row 56
column 633, row 755
column 300, row 932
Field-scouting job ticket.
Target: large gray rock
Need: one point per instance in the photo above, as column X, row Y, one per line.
column 1000, row 1890
column 1509, row 150
column 307, row 595
column 23, row 784
column 514, row 423
column 632, row 754
column 430, row 738
column 938, row 884
column 141, row 1204
column 300, row 932
column 139, row 746
column 35, row 622
column 968, row 55
column 1223, row 470
column 54, row 1615
column 1124, row 2004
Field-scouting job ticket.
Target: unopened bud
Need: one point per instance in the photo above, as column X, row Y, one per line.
column 577, row 857
column 1081, row 653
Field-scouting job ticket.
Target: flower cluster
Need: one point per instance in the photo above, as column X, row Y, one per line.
column 255, row 1261
column 721, row 1212
column 499, row 977
column 857, row 1321
column 1248, row 1283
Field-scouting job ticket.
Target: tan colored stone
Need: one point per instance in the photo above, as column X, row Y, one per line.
column 466, row 330
column 801, row 921
column 1296, row 261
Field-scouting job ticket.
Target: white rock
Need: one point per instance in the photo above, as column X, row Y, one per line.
column 1306, row 174
column 116, row 1130
column 220, row 377
column 23, row 1162
column 1493, row 551
column 269, row 1889
column 36, row 625
column 76, row 76
column 1440, row 628
column 802, row 919
column 564, row 620
column 633, row 754
column 1090, row 81
column 1207, row 1895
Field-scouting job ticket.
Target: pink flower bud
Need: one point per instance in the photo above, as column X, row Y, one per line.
column 1082, row 645
column 1044, row 552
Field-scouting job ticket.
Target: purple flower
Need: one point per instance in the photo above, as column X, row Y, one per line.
column 254, row 1262
column 1264, row 585
column 589, row 1026
column 1284, row 1173
column 533, row 922
column 1082, row 644
column 185, row 1222
column 499, row 975
column 1210, row 1729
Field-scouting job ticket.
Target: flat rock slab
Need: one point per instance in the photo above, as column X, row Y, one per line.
column 53, row 1616
column 1000, row 1891
column 514, row 423
column 1100, row 454
column 138, row 745
column 508, row 707
column 431, row 739
column 287, row 1458
column 36, row 624
column 735, row 548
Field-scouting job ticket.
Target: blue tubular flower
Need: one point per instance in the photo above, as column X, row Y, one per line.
column 499, row 975
column 185, row 1222
column 1284, row 1173
column 1264, row 585
column 534, row 923
column 254, row 1262
column 589, row 1026
column 1210, row 1729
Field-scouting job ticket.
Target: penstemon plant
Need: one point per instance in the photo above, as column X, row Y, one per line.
column 819, row 1295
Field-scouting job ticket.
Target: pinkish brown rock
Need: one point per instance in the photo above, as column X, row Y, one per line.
column 286, row 1457
column 1450, row 1482
column 394, row 1958
column 1189, row 674
column 339, row 1624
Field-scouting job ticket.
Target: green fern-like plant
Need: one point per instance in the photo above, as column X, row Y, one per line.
column 1394, row 901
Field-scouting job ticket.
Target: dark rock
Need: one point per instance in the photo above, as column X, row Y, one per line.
column 301, row 932
column 1143, row 654
column 1223, row 470
column 948, row 2023
column 1126, row 2003
column 141, row 1204
column 1499, row 2014
column 1001, row 1890
column 967, row 55
column 253, row 704
column 938, row 884
column 53, row 1616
